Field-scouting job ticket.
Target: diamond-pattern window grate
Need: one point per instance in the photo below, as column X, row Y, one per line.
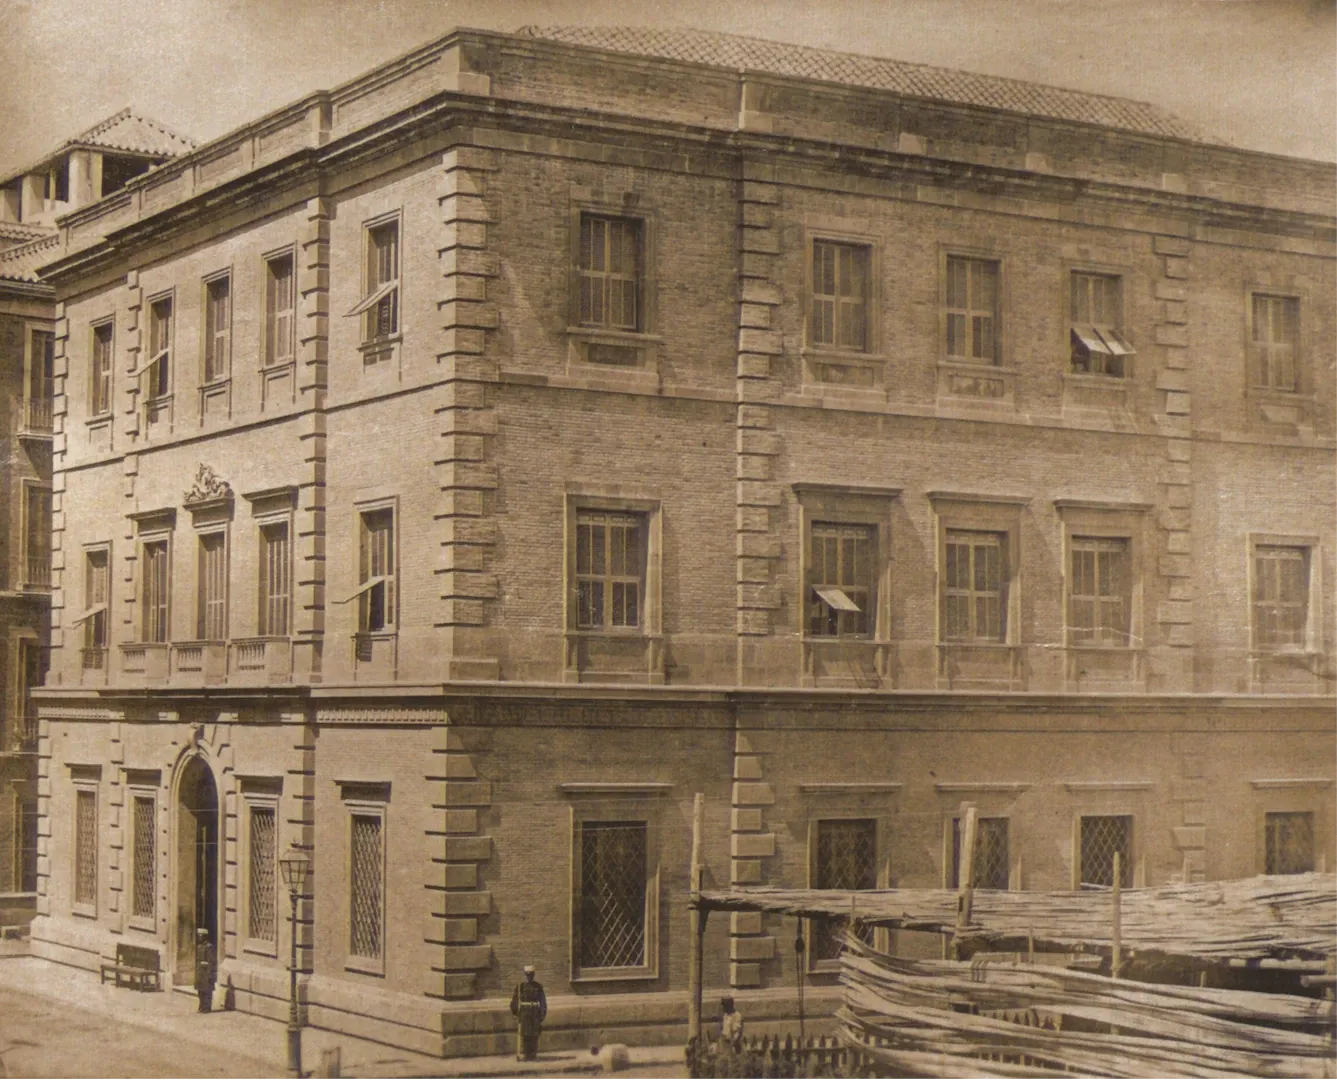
column 846, row 859
column 1290, row 843
column 1101, row 838
column 991, row 861
column 146, row 861
column 612, row 894
column 262, row 924
column 365, row 905
column 85, row 847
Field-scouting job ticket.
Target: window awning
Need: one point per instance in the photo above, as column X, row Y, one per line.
column 364, row 587
column 374, row 299
column 1115, row 342
column 1089, row 338
column 836, row 599
column 96, row 609
column 149, row 363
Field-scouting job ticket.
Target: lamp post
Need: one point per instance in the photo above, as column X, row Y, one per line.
column 294, row 866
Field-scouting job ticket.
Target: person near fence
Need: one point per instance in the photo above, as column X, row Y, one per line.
column 204, row 970
column 529, row 1006
column 731, row 1024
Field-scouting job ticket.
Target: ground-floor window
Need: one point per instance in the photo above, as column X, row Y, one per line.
column 613, row 865
column 991, row 853
column 85, row 847
column 845, row 857
column 261, row 911
column 1290, row 843
column 366, row 901
column 145, row 865
column 1101, row 839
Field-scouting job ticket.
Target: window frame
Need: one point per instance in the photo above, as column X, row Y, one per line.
column 836, row 369
column 143, row 541
column 981, row 513
column 85, row 781
column 1078, row 542
column 152, row 395
column 203, row 533
column 1313, row 627
column 31, row 488
column 649, row 509
column 391, row 593
column 1268, row 815
column 263, row 793
column 1118, row 327
column 951, row 871
column 264, row 622
column 1133, row 870
column 380, row 348
column 369, row 800
column 608, row 580
column 845, row 810
column 270, row 360
column 211, row 362
column 137, row 790
column 97, row 377
column 30, row 377
column 1288, row 297
column 1001, row 350
column 840, row 240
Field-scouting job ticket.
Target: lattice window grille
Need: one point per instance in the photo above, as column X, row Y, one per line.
column 846, row 859
column 85, row 847
column 991, row 855
column 262, row 923
column 1101, row 838
column 146, row 861
column 1290, row 843
column 612, row 894
column 366, row 887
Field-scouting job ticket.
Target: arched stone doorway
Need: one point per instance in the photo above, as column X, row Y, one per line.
column 196, row 865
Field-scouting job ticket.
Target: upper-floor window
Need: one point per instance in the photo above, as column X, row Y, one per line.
column 840, row 284
column 154, row 609
column 212, row 592
column 610, row 272
column 1280, row 596
column 1274, row 342
column 972, row 309
column 379, row 307
column 37, row 536
column 376, row 610
column 100, row 386
column 975, row 596
column 279, row 294
column 96, row 597
column 610, row 569
column 1098, row 603
column 159, row 368
column 842, row 579
column 1098, row 344
column 41, row 380
column 217, row 328
column 275, row 580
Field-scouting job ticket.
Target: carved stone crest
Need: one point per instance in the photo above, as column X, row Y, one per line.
column 209, row 487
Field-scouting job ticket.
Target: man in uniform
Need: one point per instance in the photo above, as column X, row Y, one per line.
column 530, row 1009
column 204, row 969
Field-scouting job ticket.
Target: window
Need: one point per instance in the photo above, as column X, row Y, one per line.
column 1290, row 843
column 845, row 858
column 610, row 569
column 154, row 614
column 1280, row 596
column 41, row 380
column 211, row 624
column 840, row 278
column 366, row 887
column 145, row 868
column 1274, row 342
column 100, row 391
column 842, row 598
column 217, row 328
column 1098, row 345
column 975, row 595
column 613, row 891
column 992, row 869
column 94, row 617
column 279, row 294
column 1101, row 839
column 85, row 847
column 37, row 535
column 972, row 309
column 376, row 567
column 275, row 580
column 610, row 272
column 25, row 844
column 261, row 896
column 1098, row 594
column 379, row 306
column 159, row 367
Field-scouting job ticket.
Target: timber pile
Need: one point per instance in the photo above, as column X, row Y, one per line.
column 1284, row 917
column 932, row 1018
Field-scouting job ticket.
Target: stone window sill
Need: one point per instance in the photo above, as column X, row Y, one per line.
column 586, row 343
column 976, row 383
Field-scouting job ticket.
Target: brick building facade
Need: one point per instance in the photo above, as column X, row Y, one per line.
column 458, row 470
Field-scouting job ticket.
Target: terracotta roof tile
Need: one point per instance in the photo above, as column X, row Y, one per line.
column 20, row 263
column 136, row 134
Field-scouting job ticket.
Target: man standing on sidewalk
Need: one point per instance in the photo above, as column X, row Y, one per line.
column 204, row 970
column 529, row 1006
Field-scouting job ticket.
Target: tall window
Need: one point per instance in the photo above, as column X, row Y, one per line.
column 100, row 390
column 841, row 580
column 275, row 580
column 95, row 600
column 279, row 294
column 41, row 380
column 975, row 594
column 376, row 610
column 85, row 847
column 159, row 369
column 839, row 295
column 1101, row 839
column 25, row 838
column 217, row 328
column 613, row 865
column 155, row 610
column 38, row 536
column 1098, row 592
column 1290, row 843
column 610, row 569
column 1280, row 596
column 379, row 307
column 610, row 272
column 145, row 858
column 212, row 614
column 1098, row 345
column 1275, row 340
column 991, row 856
column 972, row 309
column 261, row 909
column 845, row 858
column 366, row 887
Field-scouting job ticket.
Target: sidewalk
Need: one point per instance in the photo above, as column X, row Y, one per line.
column 254, row 1043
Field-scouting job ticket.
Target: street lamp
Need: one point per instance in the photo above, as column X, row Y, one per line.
column 294, row 866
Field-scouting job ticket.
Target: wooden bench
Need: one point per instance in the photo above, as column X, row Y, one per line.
column 135, row 965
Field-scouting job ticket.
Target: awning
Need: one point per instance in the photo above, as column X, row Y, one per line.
column 836, row 599
column 1089, row 338
column 370, row 583
column 96, row 609
column 374, row 299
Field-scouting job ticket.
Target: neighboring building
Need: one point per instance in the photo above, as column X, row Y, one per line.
column 458, row 470
column 80, row 171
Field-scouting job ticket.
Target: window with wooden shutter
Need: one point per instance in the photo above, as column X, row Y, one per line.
column 975, row 593
column 840, row 280
column 972, row 309
column 1099, row 592
column 376, row 600
column 1280, row 596
column 275, row 580
column 841, row 579
column 213, row 587
column 37, row 536
column 279, row 300
column 610, row 272
column 154, row 610
column 217, row 328
column 41, row 380
column 1274, row 344
column 96, row 595
column 610, row 569
column 1098, row 344
column 159, row 368
column 100, row 389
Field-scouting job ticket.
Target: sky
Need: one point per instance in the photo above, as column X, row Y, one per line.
column 1262, row 74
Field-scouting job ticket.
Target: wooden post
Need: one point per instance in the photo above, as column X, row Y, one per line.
column 965, row 895
column 698, row 923
column 1115, row 955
